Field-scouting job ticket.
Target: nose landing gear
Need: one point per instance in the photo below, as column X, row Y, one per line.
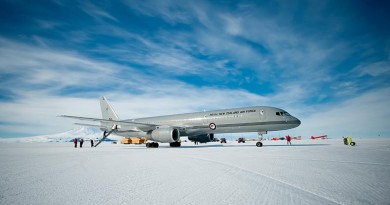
column 259, row 143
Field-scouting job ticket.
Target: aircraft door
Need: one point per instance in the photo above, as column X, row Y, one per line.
column 262, row 114
column 204, row 120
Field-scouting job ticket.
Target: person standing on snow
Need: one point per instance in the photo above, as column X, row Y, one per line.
column 81, row 142
column 75, row 142
column 91, row 142
column 288, row 138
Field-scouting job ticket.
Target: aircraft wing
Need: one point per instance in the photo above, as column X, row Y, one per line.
column 138, row 126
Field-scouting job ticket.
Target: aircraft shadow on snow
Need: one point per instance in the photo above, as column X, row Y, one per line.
column 230, row 146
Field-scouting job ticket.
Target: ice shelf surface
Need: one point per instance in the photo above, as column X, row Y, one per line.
column 308, row 172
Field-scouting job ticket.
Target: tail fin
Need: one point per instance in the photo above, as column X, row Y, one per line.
column 107, row 112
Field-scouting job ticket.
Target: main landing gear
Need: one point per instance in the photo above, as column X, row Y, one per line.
column 175, row 144
column 152, row 145
column 155, row 144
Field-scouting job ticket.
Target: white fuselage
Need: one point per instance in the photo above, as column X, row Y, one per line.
column 237, row 120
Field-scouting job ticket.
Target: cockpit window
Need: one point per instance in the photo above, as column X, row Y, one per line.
column 283, row 114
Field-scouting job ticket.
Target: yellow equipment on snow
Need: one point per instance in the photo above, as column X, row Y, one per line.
column 348, row 141
column 133, row 140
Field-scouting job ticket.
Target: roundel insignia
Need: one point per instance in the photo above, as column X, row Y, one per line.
column 212, row 126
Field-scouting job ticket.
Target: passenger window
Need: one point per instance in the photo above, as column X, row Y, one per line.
column 277, row 113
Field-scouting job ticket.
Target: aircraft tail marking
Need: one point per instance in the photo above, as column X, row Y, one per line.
column 107, row 112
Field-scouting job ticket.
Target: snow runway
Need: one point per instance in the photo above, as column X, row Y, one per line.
column 309, row 172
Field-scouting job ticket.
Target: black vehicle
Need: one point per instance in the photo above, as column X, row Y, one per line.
column 241, row 139
column 223, row 140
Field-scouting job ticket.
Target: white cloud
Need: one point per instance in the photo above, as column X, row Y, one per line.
column 47, row 24
column 232, row 25
column 96, row 12
column 362, row 116
column 376, row 69
column 171, row 11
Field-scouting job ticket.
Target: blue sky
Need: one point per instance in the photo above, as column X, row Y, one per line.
column 326, row 62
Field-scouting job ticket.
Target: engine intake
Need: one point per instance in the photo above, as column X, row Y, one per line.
column 165, row 135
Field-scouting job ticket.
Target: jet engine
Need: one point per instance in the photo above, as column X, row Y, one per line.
column 202, row 138
column 164, row 135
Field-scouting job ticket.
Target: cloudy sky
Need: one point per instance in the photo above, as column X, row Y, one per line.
column 325, row 62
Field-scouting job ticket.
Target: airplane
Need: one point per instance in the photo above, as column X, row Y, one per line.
column 319, row 137
column 198, row 126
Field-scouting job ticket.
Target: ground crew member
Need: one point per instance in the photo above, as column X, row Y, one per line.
column 75, row 142
column 91, row 142
column 81, row 142
column 288, row 138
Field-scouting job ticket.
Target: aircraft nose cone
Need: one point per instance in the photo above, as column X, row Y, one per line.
column 298, row 122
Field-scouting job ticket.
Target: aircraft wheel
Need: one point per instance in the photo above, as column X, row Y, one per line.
column 259, row 144
column 152, row 145
column 175, row 144
column 353, row 143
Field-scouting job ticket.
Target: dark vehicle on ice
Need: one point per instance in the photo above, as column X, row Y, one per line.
column 241, row 139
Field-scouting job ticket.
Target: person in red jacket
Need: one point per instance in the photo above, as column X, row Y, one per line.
column 288, row 138
column 75, row 142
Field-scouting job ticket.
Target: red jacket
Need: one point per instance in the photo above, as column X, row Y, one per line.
column 288, row 138
column 75, row 141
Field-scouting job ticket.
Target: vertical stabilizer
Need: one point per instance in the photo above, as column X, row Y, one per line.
column 107, row 112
